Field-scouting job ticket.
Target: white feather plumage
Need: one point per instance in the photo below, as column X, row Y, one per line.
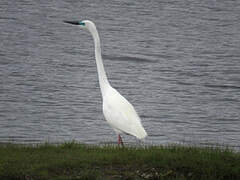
column 121, row 115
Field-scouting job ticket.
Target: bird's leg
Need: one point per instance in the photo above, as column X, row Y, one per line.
column 120, row 140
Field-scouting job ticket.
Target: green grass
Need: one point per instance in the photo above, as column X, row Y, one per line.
column 77, row 161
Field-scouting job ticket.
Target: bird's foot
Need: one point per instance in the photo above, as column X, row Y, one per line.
column 120, row 142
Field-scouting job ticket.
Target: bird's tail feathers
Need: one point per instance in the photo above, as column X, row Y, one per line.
column 141, row 133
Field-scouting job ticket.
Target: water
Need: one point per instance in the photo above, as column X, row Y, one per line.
column 177, row 62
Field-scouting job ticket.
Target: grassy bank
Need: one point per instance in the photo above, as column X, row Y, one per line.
column 76, row 161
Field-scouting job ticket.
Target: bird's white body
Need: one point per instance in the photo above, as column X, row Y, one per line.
column 121, row 115
column 118, row 112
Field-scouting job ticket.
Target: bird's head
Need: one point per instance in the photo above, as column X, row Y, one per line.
column 85, row 24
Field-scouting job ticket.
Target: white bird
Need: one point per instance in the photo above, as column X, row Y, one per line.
column 118, row 112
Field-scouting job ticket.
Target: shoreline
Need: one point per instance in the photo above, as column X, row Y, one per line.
column 73, row 160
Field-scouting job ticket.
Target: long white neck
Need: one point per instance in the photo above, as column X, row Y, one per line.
column 103, row 81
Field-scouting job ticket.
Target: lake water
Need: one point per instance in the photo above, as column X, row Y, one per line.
column 177, row 62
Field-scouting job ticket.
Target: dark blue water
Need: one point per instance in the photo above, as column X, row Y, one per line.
column 177, row 62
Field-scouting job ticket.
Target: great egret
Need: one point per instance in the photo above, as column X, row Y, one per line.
column 118, row 112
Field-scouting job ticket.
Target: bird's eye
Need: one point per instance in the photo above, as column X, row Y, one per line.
column 82, row 23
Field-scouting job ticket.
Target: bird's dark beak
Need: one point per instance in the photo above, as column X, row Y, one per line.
column 72, row 22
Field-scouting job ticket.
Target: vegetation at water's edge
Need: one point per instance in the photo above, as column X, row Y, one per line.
column 77, row 161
